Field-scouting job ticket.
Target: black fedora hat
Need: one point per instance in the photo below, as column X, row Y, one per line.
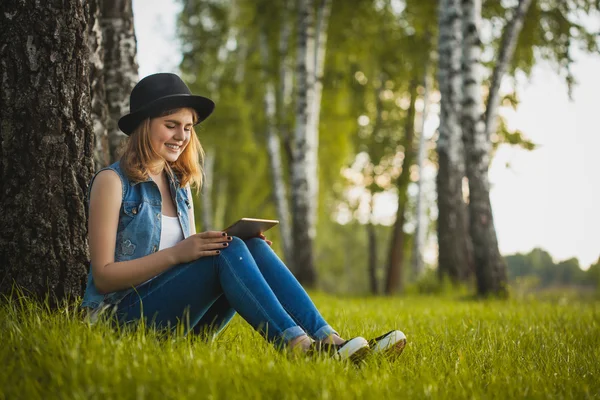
column 160, row 92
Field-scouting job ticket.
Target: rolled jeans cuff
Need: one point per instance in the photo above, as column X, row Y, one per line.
column 291, row 333
column 324, row 332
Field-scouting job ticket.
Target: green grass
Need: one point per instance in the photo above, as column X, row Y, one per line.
column 456, row 349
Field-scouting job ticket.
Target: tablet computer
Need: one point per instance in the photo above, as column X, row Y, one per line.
column 247, row 228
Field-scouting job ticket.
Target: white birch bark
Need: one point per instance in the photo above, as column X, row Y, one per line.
column 323, row 13
column 121, row 69
column 97, row 90
column 304, row 150
column 490, row 267
column 505, row 55
column 286, row 83
column 421, row 229
column 274, row 151
column 453, row 235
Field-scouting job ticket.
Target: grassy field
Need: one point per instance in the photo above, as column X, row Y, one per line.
column 456, row 349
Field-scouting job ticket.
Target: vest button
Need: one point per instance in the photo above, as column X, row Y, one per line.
column 158, row 216
column 134, row 211
column 179, row 213
column 154, row 249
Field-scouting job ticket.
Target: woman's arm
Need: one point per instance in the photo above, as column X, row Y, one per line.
column 110, row 276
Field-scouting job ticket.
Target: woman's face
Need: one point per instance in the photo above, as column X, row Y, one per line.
column 169, row 135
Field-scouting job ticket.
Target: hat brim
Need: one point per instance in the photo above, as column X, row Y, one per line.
column 202, row 105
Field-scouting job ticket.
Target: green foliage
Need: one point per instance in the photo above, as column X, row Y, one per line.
column 456, row 349
column 538, row 264
column 552, row 28
column 375, row 49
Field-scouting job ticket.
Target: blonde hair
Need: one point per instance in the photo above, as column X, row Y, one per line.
column 139, row 157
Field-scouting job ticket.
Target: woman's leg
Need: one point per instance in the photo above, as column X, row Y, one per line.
column 288, row 290
column 195, row 286
column 215, row 319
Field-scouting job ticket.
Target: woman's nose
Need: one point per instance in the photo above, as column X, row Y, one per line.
column 180, row 133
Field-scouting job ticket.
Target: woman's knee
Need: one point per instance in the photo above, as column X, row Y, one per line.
column 236, row 243
column 254, row 242
column 236, row 248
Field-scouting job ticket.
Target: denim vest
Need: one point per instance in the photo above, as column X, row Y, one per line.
column 138, row 232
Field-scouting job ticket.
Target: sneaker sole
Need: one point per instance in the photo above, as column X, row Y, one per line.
column 391, row 345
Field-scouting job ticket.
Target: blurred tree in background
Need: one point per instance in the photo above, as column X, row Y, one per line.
column 372, row 86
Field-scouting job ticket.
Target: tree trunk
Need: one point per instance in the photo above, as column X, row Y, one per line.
column 505, row 55
column 372, row 243
column 98, row 92
column 207, row 191
column 121, row 69
column 395, row 269
column 454, row 251
column 323, row 13
column 284, row 92
column 420, row 229
column 274, row 151
column 490, row 267
column 46, row 147
column 304, row 150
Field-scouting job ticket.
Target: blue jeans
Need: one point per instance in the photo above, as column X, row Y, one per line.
column 247, row 277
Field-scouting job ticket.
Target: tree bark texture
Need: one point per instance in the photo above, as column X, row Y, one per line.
column 454, row 248
column 395, row 268
column 421, row 229
column 304, row 150
column 505, row 55
column 121, row 69
column 46, row 147
column 274, row 152
column 98, row 92
column 490, row 267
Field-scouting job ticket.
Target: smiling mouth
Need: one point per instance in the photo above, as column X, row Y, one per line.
column 172, row 147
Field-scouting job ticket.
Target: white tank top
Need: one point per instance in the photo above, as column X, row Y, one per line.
column 171, row 232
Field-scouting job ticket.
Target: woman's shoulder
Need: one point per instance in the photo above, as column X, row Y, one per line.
column 108, row 182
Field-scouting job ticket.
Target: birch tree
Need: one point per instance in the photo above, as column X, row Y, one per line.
column 490, row 267
column 46, row 147
column 97, row 89
column 505, row 54
column 274, row 150
column 454, row 257
column 303, row 226
column 322, row 24
column 120, row 65
column 420, row 229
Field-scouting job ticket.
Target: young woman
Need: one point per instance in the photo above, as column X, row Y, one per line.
column 147, row 261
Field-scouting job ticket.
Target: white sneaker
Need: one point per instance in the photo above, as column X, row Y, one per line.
column 389, row 344
column 354, row 349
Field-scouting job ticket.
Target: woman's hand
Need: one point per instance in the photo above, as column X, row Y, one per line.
column 263, row 237
column 203, row 244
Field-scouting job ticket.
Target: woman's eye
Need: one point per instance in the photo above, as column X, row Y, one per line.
column 170, row 126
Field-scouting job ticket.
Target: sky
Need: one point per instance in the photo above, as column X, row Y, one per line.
column 548, row 198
